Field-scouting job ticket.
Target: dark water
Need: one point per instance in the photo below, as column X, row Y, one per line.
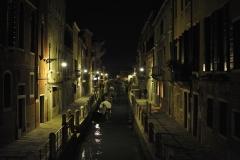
column 112, row 139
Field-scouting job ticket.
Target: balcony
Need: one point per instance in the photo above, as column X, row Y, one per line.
column 157, row 73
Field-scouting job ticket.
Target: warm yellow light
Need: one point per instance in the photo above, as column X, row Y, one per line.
column 64, row 64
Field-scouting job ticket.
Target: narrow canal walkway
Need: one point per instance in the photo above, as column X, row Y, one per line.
column 113, row 138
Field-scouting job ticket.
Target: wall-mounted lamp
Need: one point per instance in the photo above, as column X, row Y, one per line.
column 64, row 64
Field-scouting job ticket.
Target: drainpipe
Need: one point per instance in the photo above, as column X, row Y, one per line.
column 173, row 52
column 191, row 78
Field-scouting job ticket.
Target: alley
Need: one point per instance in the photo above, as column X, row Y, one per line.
column 113, row 138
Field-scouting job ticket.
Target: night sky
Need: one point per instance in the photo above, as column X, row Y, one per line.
column 118, row 22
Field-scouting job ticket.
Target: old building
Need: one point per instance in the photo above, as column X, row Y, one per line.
column 86, row 37
column 55, row 57
column 195, row 70
column 18, row 69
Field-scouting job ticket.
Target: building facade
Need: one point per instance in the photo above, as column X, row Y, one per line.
column 18, row 63
column 196, row 71
column 42, row 64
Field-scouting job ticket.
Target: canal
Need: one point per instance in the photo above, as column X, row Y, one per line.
column 113, row 138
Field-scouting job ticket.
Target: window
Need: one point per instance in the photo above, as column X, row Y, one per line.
column 10, row 21
column 175, row 9
column 223, row 118
column 178, row 102
column 236, row 44
column 181, row 5
column 21, row 29
column 31, row 87
column 196, row 46
column 7, row 90
column 161, row 27
column 165, row 90
column 207, row 38
column 186, row 2
column 210, row 112
column 21, row 90
column 42, row 42
column 2, row 25
column 236, row 124
column 216, row 28
column 55, row 99
column 49, row 6
column 33, row 32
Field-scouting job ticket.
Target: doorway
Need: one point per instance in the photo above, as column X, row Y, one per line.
column 41, row 108
column 21, row 110
column 185, row 109
column 195, row 115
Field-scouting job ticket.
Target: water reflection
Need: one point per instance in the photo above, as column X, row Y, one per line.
column 98, row 141
column 97, row 126
column 93, row 149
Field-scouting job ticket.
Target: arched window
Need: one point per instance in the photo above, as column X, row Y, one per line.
column 7, row 90
column 21, row 28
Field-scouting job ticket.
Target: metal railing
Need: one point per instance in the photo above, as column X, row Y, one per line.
column 141, row 114
column 12, row 158
column 43, row 152
column 59, row 139
column 69, row 129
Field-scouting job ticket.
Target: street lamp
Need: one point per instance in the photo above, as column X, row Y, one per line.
column 142, row 71
column 64, row 64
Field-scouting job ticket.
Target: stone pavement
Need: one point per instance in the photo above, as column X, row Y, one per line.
column 35, row 139
column 177, row 141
